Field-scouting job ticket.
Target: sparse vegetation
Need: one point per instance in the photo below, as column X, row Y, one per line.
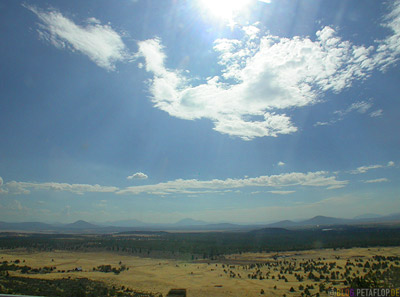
column 80, row 287
column 295, row 273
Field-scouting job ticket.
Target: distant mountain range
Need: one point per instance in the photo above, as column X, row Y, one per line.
column 193, row 225
column 368, row 216
column 315, row 221
column 80, row 225
column 320, row 221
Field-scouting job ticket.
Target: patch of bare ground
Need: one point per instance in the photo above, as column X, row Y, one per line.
column 246, row 274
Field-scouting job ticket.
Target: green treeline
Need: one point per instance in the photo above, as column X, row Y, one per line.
column 208, row 244
column 80, row 287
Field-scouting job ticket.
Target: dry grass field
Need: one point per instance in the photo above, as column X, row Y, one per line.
column 236, row 275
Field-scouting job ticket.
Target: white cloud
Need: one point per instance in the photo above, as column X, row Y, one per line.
column 324, row 123
column 99, row 42
column 265, row 75
column 15, row 187
column 311, row 179
column 364, row 169
column 251, row 31
column 377, row 113
column 333, row 187
column 378, row 180
column 360, row 107
column 281, row 192
column 280, row 163
column 388, row 50
column 193, row 186
column 138, row 175
column 2, row 191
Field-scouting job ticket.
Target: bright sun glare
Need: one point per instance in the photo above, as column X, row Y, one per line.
column 225, row 9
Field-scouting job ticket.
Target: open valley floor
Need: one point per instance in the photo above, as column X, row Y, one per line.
column 297, row 273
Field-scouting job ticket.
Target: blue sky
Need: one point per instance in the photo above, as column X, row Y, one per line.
column 241, row 111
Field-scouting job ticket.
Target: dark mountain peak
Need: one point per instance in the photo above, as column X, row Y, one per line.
column 282, row 224
column 80, row 224
column 190, row 222
column 322, row 220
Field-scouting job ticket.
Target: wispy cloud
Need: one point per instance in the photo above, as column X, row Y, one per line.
column 15, row 187
column 378, row 180
column 281, row 192
column 360, row 107
column 280, row 163
column 137, row 175
column 388, row 51
column 376, row 114
column 2, row 191
column 100, row 43
column 364, row 169
column 311, row 179
column 333, row 187
column 190, row 186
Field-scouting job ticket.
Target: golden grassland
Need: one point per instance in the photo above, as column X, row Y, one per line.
column 201, row 278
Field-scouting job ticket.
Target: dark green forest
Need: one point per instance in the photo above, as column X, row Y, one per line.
column 206, row 245
column 66, row 287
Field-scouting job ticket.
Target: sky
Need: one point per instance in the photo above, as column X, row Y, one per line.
column 223, row 111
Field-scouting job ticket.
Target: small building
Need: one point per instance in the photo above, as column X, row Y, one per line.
column 177, row 293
